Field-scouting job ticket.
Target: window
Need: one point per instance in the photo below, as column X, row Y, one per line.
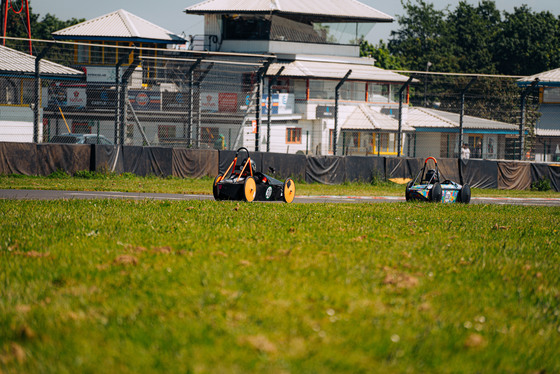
column 83, row 53
column 124, row 53
column 551, row 95
column 300, row 89
column 321, row 89
column 385, row 143
column 293, row 135
column 355, row 91
column 245, row 28
column 378, row 93
column 96, row 55
column 395, row 88
column 109, row 54
column 475, row 145
column 331, row 141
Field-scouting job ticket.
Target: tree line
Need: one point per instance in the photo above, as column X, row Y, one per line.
column 470, row 39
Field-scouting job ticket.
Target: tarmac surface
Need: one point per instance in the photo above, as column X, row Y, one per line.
column 81, row 195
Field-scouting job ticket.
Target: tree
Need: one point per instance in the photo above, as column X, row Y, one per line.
column 50, row 24
column 528, row 42
column 420, row 38
column 383, row 58
column 473, row 32
column 16, row 26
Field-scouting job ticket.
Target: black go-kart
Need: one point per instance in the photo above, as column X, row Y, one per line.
column 429, row 185
column 242, row 181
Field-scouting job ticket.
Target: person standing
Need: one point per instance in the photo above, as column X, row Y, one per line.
column 465, row 152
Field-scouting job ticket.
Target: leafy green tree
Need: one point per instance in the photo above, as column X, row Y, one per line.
column 420, row 39
column 472, row 31
column 383, row 58
column 16, row 26
column 50, row 24
column 528, row 42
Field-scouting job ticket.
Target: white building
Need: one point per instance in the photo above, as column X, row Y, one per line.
column 547, row 129
column 17, row 93
column 316, row 43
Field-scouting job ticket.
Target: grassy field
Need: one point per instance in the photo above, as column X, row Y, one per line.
column 129, row 183
column 227, row 287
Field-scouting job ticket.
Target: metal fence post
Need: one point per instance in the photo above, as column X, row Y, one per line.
column 524, row 95
column 336, row 96
column 399, row 131
column 269, row 105
column 37, row 98
column 462, row 114
column 124, row 97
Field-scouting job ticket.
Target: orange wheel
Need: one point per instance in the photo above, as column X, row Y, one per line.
column 250, row 189
column 289, row 190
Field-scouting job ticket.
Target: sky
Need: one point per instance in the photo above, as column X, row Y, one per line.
column 169, row 13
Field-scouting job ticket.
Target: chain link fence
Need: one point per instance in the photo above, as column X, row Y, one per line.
column 146, row 96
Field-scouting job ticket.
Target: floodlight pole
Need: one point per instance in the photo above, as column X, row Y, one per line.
column 462, row 114
column 118, row 108
column 124, row 97
column 191, row 100
column 269, row 105
column 201, row 78
column 524, row 95
column 336, row 96
column 399, row 131
column 260, row 74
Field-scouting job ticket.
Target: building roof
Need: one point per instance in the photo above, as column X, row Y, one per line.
column 19, row 64
column 334, row 68
column 365, row 118
column 119, row 25
column 319, row 10
column 439, row 119
column 547, row 78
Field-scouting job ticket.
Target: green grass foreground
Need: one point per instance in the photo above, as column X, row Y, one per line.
column 224, row 287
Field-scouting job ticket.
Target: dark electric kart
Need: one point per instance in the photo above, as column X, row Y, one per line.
column 242, row 181
column 429, row 185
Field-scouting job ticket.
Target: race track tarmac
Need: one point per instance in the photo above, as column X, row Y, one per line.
column 55, row 194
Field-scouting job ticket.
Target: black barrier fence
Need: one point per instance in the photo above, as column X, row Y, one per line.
column 44, row 159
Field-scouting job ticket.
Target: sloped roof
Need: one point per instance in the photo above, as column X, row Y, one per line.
column 119, row 25
column 329, row 68
column 326, row 10
column 552, row 77
column 364, row 118
column 433, row 118
column 17, row 63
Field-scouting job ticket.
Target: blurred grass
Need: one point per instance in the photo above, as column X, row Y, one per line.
column 204, row 286
column 87, row 181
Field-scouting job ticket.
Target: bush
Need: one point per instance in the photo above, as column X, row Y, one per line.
column 60, row 174
column 377, row 178
column 542, row 184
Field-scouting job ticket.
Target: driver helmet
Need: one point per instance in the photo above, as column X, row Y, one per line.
column 431, row 175
column 254, row 166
